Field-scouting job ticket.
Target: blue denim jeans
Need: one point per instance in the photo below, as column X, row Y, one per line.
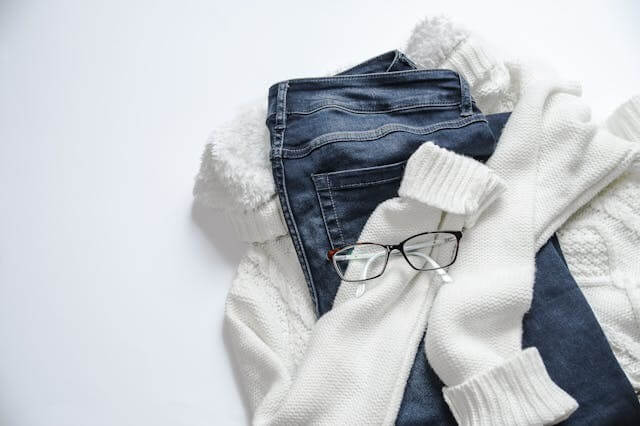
column 338, row 148
column 334, row 140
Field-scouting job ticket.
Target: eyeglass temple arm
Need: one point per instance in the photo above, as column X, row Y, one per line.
column 437, row 268
column 366, row 266
column 331, row 253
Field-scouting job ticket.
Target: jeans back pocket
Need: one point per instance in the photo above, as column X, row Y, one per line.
column 348, row 197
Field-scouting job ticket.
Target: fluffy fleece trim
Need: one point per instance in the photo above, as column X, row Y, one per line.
column 433, row 39
column 235, row 172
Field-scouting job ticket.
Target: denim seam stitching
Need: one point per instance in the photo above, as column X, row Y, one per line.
column 324, row 218
column 361, row 184
column 286, row 208
column 371, row 135
column 374, row 75
column 365, row 111
column 400, row 108
column 335, row 215
column 399, row 164
column 377, row 133
column 298, row 242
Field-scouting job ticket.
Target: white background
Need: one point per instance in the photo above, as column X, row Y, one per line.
column 112, row 285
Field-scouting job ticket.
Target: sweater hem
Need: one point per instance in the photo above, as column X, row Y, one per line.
column 262, row 224
column 519, row 391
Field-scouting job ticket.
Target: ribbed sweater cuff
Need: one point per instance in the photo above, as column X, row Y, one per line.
column 518, row 392
column 258, row 225
column 449, row 181
column 472, row 61
column 625, row 121
column 441, row 43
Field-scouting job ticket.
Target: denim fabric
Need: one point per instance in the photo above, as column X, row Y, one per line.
column 339, row 145
column 578, row 358
column 329, row 135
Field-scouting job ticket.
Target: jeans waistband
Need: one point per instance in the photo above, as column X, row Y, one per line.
column 370, row 92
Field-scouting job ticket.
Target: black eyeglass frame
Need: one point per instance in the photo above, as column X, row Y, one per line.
column 400, row 247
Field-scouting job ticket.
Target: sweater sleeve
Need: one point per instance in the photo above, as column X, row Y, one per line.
column 358, row 357
column 268, row 320
column 553, row 160
column 578, row 159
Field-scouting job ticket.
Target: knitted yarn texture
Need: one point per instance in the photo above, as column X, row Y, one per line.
column 269, row 316
column 601, row 244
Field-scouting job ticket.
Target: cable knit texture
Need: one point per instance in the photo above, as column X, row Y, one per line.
column 269, row 317
column 601, row 244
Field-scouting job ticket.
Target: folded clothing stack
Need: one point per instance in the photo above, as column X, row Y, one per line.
column 352, row 364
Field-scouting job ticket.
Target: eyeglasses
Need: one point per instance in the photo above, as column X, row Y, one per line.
column 429, row 251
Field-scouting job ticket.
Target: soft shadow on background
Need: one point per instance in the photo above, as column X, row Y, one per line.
column 219, row 233
column 217, row 230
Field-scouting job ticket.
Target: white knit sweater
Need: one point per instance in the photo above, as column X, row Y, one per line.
column 554, row 161
column 601, row 244
column 269, row 313
column 359, row 354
